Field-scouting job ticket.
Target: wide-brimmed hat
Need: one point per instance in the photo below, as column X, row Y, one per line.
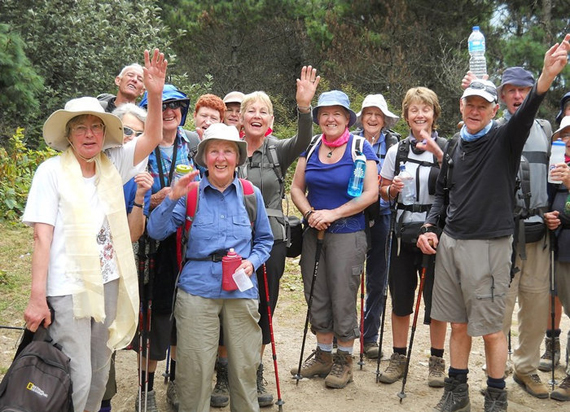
column 481, row 88
column 55, row 125
column 221, row 131
column 169, row 94
column 563, row 125
column 377, row 100
column 334, row 98
column 516, row 76
column 563, row 101
column 233, row 97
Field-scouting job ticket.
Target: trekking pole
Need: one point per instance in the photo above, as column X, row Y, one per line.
column 425, row 263
column 320, row 237
column 552, row 298
column 385, row 291
column 510, row 348
column 151, row 269
column 12, row 327
column 166, row 372
column 141, row 271
column 273, row 351
column 361, row 362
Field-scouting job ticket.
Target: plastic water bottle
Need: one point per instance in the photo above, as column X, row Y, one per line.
column 181, row 170
column 408, row 194
column 476, row 44
column 230, row 263
column 356, row 182
column 556, row 156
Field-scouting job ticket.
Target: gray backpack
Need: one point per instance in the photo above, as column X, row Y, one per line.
column 38, row 379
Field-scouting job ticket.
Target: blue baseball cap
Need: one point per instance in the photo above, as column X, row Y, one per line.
column 171, row 93
column 516, row 76
column 334, row 98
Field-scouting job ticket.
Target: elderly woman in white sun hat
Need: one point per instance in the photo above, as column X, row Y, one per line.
column 376, row 121
column 221, row 222
column 83, row 265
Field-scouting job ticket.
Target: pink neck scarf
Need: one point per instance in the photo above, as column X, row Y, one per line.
column 339, row 141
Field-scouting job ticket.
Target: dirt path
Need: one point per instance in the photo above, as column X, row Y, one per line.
column 362, row 395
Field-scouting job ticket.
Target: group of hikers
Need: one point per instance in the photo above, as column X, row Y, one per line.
column 149, row 270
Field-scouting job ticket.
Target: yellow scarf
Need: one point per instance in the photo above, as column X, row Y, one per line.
column 81, row 246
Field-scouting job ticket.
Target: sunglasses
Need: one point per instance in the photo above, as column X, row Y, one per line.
column 482, row 86
column 176, row 104
column 127, row 131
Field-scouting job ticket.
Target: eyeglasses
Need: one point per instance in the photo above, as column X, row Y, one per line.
column 482, row 86
column 127, row 131
column 81, row 130
column 176, row 104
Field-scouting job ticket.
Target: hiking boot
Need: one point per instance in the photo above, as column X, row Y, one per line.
column 263, row 398
column 220, row 397
column 436, row 375
column 341, row 371
column 551, row 351
column 532, row 384
column 455, row 397
column 495, row 400
column 372, row 350
column 318, row 363
column 171, row 395
column 151, row 402
column 395, row 369
column 563, row 391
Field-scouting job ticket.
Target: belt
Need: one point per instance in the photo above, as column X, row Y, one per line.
column 217, row 256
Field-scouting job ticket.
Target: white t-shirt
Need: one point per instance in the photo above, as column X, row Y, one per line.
column 43, row 206
column 424, row 198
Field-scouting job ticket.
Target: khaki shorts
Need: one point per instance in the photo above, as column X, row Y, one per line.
column 471, row 282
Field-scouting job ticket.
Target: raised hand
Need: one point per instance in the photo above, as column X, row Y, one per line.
column 306, row 86
column 154, row 71
column 555, row 59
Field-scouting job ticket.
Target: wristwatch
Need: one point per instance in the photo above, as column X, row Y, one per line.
column 427, row 229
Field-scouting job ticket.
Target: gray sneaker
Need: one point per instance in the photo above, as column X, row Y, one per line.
column 220, row 397
column 171, row 395
column 150, row 402
column 455, row 397
column 496, row 400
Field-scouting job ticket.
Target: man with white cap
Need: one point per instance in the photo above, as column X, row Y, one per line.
column 376, row 121
column 474, row 194
column 233, row 101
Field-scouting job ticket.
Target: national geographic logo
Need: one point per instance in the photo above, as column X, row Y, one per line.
column 31, row 387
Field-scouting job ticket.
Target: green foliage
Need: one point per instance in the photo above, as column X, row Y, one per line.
column 19, row 82
column 79, row 46
column 17, row 166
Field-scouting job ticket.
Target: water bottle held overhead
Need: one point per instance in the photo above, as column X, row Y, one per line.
column 356, row 182
column 408, row 194
column 476, row 45
column 556, row 156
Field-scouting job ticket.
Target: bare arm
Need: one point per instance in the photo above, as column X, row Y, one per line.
column 154, row 75
column 37, row 310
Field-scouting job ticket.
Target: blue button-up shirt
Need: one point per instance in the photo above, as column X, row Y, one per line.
column 221, row 222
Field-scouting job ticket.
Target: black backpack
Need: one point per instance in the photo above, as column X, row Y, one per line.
column 38, row 379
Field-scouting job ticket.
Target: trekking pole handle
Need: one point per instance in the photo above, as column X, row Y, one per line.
column 321, row 235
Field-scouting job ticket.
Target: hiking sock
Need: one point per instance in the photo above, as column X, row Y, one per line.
column 150, row 381
column 437, row 352
column 496, row 383
column 223, row 361
column 400, row 351
column 172, row 369
column 325, row 347
column 106, row 403
column 459, row 374
column 345, row 349
column 553, row 333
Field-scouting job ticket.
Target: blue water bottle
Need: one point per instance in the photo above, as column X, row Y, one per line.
column 356, row 182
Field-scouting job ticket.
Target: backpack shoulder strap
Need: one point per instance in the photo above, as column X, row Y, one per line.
column 448, row 164
column 357, row 146
column 249, row 200
column 313, row 145
column 274, row 161
column 183, row 233
column 547, row 129
column 523, row 180
column 193, row 142
column 401, row 155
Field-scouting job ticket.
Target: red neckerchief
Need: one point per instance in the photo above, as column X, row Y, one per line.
column 339, row 141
